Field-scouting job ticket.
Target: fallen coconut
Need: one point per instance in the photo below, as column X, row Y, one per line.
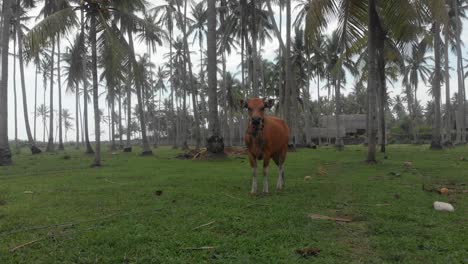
column 441, row 206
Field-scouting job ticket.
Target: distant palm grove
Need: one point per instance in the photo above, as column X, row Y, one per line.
column 87, row 49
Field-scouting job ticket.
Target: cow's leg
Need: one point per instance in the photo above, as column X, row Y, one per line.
column 280, row 181
column 253, row 164
column 253, row 190
column 266, row 161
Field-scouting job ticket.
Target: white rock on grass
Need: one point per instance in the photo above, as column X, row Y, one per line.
column 441, row 206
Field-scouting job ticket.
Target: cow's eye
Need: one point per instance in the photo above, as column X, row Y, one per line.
column 262, row 109
column 250, row 109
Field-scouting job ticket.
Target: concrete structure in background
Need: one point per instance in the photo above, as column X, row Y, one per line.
column 352, row 126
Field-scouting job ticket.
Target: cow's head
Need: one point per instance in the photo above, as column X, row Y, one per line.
column 256, row 107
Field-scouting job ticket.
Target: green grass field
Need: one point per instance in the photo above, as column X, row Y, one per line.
column 56, row 209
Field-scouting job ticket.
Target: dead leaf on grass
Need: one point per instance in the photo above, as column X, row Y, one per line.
column 307, row 252
column 324, row 217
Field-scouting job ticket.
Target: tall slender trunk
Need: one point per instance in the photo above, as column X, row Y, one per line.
column 215, row 142
column 382, row 88
column 139, row 87
column 97, row 117
column 319, row 110
column 226, row 132
column 77, row 121
column 192, row 86
column 338, row 140
column 112, row 128
column 50, row 144
column 254, row 56
column 44, row 80
column 120, row 121
column 372, row 80
column 415, row 123
column 81, row 124
column 35, row 102
column 290, row 89
column 32, row 143
column 15, row 99
column 5, row 153
column 171, row 81
column 59, row 85
column 243, row 4
column 89, row 148
column 461, row 133
column 436, row 142
column 448, row 107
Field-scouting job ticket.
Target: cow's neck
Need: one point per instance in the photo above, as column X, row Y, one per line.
column 256, row 134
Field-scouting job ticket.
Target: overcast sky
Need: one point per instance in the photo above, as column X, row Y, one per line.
column 269, row 51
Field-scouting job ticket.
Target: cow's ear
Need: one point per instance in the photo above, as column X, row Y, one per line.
column 243, row 103
column 269, row 103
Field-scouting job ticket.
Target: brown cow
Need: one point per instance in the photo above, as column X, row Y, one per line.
column 266, row 138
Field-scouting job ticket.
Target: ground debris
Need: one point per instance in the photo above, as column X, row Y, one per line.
column 441, row 206
column 321, row 170
column 202, row 154
column 408, row 164
column 308, row 252
column 207, row 224
column 200, row 248
column 324, row 217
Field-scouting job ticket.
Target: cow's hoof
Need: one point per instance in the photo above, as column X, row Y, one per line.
column 265, row 193
column 253, row 194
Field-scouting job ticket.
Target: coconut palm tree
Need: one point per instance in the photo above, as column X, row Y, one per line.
column 416, row 69
column 42, row 111
column 20, row 16
column 67, row 121
column 104, row 15
column 167, row 15
column 215, row 141
column 5, row 153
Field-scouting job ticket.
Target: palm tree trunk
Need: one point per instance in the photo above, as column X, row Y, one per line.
column 290, row 90
column 50, row 144
column 5, row 153
column 120, row 121
column 146, row 146
column 113, row 147
column 32, row 144
column 461, row 85
column 253, row 55
column 382, row 88
column 59, row 85
column 44, row 79
column 226, row 132
column 81, row 124
column 215, row 141
column 15, row 100
column 97, row 117
column 372, row 79
column 192, row 86
column 77, row 121
column 242, row 2
column 35, row 102
column 319, row 111
column 171, row 81
column 436, row 142
column 339, row 140
column 89, row 148
column 448, row 107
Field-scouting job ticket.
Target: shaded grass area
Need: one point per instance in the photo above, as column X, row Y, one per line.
column 152, row 209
